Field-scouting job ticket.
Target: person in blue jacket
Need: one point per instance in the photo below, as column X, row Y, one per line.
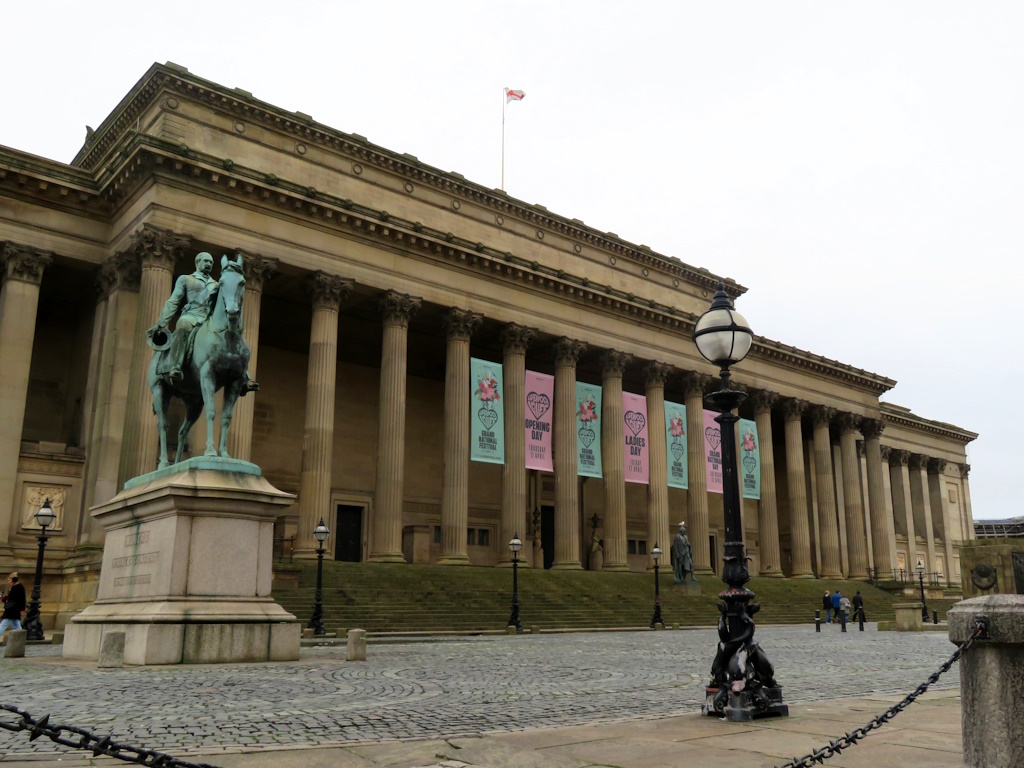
column 836, row 597
column 826, row 603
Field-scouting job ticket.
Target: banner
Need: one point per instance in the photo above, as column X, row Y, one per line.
column 588, row 430
column 675, row 441
column 712, row 452
column 750, row 460
column 540, row 396
column 487, row 416
column 634, row 420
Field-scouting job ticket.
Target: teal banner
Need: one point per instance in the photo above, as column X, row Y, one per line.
column 750, row 460
column 588, row 430
column 675, row 441
column 487, row 413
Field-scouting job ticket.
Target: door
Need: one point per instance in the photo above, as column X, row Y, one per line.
column 547, row 534
column 348, row 538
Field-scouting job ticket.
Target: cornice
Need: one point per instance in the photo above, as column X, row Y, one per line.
column 50, row 183
column 903, row 418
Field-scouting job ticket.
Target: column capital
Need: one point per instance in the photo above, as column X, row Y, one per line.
column 794, row 408
column 516, row 338
column 936, row 466
column 899, row 457
column 399, row 307
column 568, row 351
column 122, row 271
column 24, row 263
column 965, row 470
column 613, row 362
column 763, row 400
column 327, row 291
column 158, row 248
column 848, row 422
column 657, row 373
column 695, row 383
column 918, row 461
column 886, row 451
column 459, row 324
column 822, row 415
column 257, row 269
column 871, row 428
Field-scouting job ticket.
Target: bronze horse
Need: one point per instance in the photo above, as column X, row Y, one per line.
column 219, row 359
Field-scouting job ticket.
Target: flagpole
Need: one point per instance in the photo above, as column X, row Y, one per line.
column 504, row 101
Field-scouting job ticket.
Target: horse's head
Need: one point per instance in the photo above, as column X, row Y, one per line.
column 232, row 287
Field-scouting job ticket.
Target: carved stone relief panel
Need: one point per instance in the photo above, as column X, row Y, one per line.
column 35, row 496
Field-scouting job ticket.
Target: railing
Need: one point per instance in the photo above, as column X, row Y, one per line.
column 905, row 577
column 284, row 548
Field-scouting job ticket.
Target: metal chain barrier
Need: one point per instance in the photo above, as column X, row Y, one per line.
column 845, row 742
column 79, row 738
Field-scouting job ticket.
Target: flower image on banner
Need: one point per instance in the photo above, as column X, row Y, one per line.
column 486, row 413
column 712, row 452
column 750, row 460
column 634, row 429
column 540, row 397
column 675, row 441
column 588, row 430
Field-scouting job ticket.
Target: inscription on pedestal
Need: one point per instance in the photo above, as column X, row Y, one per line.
column 138, row 561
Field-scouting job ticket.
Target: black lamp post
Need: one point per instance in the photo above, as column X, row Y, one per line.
column 33, row 621
column 742, row 685
column 316, row 621
column 920, row 577
column 514, row 546
column 656, row 618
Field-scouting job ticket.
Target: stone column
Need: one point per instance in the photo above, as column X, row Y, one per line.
column 515, row 507
column 882, row 532
column 796, row 484
column 767, row 508
column 922, row 506
column 327, row 292
column 23, row 269
column 459, row 325
column 965, row 470
column 855, row 536
column 613, row 461
column 903, row 506
column 567, row 512
column 940, row 515
column 831, row 562
column 658, row 524
column 890, row 514
column 158, row 249
column 258, row 271
column 386, row 541
column 697, row 495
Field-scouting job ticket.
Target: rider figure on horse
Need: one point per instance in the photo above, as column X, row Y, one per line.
column 197, row 293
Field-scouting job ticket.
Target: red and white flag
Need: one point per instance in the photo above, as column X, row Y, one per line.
column 511, row 95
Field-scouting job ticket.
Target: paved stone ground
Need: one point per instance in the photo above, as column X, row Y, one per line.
column 443, row 689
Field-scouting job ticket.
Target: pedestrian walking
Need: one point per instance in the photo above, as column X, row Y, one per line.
column 844, row 606
column 858, row 606
column 826, row 603
column 836, row 597
column 14, row 604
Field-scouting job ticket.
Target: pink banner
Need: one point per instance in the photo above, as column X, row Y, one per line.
column 712, row 452
column 540, row 399
column 634, row 429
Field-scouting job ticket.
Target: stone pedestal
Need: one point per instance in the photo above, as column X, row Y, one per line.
column 416, row 541
column 908, row 617
column 991, row 681
column 187, row 569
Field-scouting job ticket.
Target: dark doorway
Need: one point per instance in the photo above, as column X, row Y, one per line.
column 713, row 547
column 348, row 544
column 1018, row 571
column 547, row 534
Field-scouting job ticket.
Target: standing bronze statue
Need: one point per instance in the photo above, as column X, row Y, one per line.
column 682, row 557
column 207, row 352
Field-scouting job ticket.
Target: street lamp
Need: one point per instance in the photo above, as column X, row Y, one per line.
column 742, row 685
column 514, row 546
column 316, row 621
column 656, row 618
column 920, row 576
column 33, row 621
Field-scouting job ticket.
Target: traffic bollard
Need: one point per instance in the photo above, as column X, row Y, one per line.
column 817, row 621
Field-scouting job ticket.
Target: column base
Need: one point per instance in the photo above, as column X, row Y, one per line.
column 802, row 576
column 703, row 571
column 861, row 576
column 386, row 557
column 774, row 573
column 837, row 576
column 304, row 554
column 568, row 565
column 453, row 560
column 619, row 567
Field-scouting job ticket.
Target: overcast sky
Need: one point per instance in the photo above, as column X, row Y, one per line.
column 858, row 166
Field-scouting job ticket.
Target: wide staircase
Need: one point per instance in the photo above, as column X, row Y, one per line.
column 384, row 598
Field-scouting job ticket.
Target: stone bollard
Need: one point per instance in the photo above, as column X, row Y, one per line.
column 356, row 650
column 511, row 630
column 57, row 638
column 111, row 651
column 908, row 617
column 15, row 643
column 991, row 679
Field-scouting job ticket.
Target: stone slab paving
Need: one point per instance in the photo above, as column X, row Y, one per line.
column 448, row 689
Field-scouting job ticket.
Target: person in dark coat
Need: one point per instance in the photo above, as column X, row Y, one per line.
column 14, row 605
column 858, row 606
column 826, row 603
column 837, row 596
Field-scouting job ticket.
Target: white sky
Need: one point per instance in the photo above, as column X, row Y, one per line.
column 858, row 166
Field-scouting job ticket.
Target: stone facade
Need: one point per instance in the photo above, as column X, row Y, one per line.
column 373, row 279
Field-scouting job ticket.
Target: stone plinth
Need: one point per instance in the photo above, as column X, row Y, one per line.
column 187, row 569
column 991, row 681
column 908, row 617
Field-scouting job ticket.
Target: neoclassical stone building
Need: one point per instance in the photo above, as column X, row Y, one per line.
column 373, row 279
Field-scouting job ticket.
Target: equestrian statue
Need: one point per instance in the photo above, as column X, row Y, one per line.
column 206, row 352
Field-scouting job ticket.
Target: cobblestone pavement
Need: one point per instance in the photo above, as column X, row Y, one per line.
column 444, row 688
